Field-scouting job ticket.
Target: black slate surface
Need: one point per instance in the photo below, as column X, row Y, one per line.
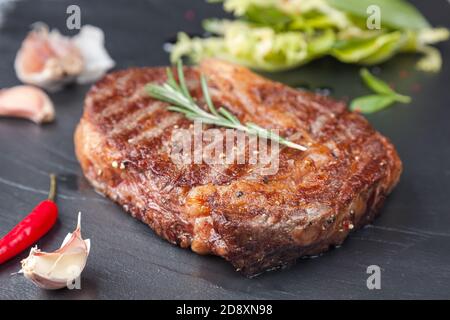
column 410, row 241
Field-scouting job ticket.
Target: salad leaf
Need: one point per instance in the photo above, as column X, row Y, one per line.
column 432, row 35
column 269, row 16
column 307, row 22
column 259, row 48
column 216, row 26
column 431, row 61
column 396, row 14
column 273, row 35
column 386, row 51
column 320, row 44
column 292, row 8
column 356, row 50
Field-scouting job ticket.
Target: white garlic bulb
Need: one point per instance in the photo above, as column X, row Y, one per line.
column 47, row 59
column 50, row 60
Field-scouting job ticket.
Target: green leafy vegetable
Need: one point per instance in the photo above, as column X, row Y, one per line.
column 177, row 95
column 396, row 14
column 270, row 16
column 431, row 61
column 255, row 47
column 274, row 35
column 385, row 95
column 356, row 50
column 385, row 51
column 321, row 43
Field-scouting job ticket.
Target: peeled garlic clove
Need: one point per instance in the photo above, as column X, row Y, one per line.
column 48, row 59
column 26, row 102
column 91, row 43
column 58, row 269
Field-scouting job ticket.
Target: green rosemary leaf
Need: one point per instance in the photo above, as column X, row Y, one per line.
column 179, row 99
column 180, row 110
column 171, row 80
column 183, row 85
column 228, row 115
column 207, row 96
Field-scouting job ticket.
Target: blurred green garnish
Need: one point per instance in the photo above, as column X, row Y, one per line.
column 384, row 97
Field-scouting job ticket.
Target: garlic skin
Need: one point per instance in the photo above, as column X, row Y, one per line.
column 91, row 43
column 26, row 102
column 58, row 269
column 50, row 60
column 47, row 59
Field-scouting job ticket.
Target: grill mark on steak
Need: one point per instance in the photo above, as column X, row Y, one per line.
column 256, row 222
column 130, row 121
column 156, row 131
column 114, row 109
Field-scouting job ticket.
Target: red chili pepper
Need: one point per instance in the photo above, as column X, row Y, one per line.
column 32, row 228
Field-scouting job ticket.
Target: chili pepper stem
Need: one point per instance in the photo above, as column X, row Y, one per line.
column 52, row 190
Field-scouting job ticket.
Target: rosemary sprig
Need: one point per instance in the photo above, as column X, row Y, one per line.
column 177, row 95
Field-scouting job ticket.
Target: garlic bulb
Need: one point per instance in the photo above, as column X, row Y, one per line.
column 26, row 102
column 58, row 269
column 49, row 60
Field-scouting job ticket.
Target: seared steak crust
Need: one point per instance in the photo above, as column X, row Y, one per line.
column 256, row 222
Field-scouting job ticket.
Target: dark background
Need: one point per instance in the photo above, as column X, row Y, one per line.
column 410, row 241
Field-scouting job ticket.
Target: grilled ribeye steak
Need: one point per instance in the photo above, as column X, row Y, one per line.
column 257, row 222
